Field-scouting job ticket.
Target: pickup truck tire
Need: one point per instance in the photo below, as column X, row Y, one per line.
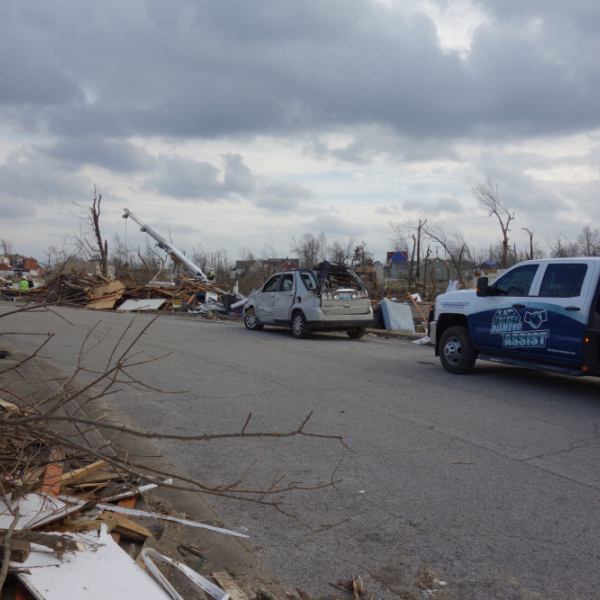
column 300, row 328
column 457, row 353
column 251, row 320
column 356, row 334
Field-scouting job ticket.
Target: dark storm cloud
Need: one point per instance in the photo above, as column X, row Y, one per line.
column 28, row 76
column 190, row 179
column 27, row 181
column 207, row 69
column 238, row 177
column 282, row 195
column 186, row 179
column 118, row 156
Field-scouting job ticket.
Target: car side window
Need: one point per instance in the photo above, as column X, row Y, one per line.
column 563, row 280
column 287, row 283
column 272, row 284
column 308, row 281
column 517, row 282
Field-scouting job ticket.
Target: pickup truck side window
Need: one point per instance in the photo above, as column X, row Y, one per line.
column 563, row 280
column 517, row 282
column 272, row 284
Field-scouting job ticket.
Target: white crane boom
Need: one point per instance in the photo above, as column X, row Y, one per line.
column 177, row 256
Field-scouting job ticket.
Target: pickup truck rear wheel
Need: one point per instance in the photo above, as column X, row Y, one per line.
column 457, row 353
column 300, row 328
column 251, row 320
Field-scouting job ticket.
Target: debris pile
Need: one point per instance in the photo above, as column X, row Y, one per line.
column 63, row 514
column 100, row 293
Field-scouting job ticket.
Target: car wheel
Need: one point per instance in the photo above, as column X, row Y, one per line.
column 251, row 320
column 356, row 334
column 457, row 353
column 300, row 329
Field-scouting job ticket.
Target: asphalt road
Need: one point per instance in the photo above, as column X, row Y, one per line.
column 488, row 482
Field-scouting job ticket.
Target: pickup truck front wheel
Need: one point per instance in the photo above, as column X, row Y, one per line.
column 457, row 353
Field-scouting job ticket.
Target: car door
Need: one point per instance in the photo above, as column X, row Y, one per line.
column 499, row 317
column 284, row 298
column 265, row 299
column 558, row 311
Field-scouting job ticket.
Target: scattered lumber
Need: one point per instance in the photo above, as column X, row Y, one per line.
column 126, row 527
column 95, row 292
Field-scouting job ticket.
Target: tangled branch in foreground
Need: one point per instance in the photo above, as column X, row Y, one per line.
column 32, row 431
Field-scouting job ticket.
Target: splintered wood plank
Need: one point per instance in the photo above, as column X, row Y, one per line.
column 126, row 527
column 82, row 472
column 225, row 580
column 99, row 477
column 9, row 407
column 111, row 288
column 125, row 503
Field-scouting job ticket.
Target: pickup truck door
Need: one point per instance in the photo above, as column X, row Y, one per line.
column 284, row 298
column 560, row 308
column 266, row 298
column 500, row 317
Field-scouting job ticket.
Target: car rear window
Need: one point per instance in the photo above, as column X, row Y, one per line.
column 309, row 281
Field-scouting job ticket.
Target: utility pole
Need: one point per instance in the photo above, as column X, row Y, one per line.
column 530, row 242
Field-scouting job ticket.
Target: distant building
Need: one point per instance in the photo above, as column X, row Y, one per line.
column 290, row 264
column 396, row 264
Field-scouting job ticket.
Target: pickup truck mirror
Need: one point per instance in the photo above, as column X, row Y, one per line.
column 483, row 289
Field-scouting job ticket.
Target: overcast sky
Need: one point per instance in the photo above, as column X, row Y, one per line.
column 242, row 124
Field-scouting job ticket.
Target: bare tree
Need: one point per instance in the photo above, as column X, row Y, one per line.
column 486, row 195
column 221, row 265
column 407, row 239
column 418, row 244
column 589, row 241
column 201, row 257
column 7, row 247
column 361, row 257
column 96, row 249
column 340, row 252
column 310, row 249
column 562, row 247
column 454, row 244
column 56, row 256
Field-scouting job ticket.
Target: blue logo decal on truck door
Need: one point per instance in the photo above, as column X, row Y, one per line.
column 535, row 319
column 506, row 319
column 507, row 323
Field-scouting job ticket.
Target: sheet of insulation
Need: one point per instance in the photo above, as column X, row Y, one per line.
column 397, row 317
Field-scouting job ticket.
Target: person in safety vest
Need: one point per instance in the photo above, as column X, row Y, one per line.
column 211, row 274
column 24, row 285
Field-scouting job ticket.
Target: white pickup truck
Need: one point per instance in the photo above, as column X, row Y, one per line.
column 540, row 314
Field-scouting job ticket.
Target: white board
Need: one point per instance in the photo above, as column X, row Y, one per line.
column 135, row 305
column 103, row 571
